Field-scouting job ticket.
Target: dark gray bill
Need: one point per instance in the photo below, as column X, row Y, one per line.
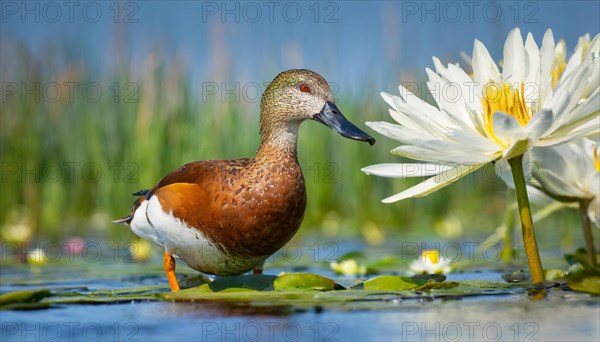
column 332, row 117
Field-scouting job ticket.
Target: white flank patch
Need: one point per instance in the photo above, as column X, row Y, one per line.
column 152, row 223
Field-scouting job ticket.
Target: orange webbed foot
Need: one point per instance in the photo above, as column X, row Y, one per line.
column 170, row 270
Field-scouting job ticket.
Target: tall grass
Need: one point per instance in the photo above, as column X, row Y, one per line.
column 69, row 166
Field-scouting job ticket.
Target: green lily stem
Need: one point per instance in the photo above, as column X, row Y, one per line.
column 531, row 248
column 509, row 218
column 587, row 232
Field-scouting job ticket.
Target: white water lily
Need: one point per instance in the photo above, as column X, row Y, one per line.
column 494, row 116
column 430, row 262
column 37, row 257
column 348, row 267
column 570, row 172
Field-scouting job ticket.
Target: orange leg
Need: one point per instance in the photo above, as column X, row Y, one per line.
column 258, row 269
column 170, row 270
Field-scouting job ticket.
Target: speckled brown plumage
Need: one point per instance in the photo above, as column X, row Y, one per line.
column 249, row 208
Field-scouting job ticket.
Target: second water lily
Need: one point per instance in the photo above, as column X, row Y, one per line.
column 571, row 173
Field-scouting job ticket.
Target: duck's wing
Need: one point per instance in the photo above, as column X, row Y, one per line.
column 192, row 173
column 199, row 173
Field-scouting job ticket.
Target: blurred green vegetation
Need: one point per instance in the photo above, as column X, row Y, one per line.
column 69, row 165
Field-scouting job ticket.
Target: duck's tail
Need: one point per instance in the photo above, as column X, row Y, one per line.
column 127, row 219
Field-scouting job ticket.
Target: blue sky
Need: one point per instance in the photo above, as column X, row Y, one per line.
column 348, row 41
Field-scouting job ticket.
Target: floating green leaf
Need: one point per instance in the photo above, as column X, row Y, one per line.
column 256, row 282
column 585, row 281
column 434, row 285
column 393, row 283
column 304, row 282
column 27, row 296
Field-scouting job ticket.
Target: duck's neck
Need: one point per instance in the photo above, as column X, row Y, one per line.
column 278, row 140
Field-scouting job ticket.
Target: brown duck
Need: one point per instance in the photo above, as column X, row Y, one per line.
column 225, row 217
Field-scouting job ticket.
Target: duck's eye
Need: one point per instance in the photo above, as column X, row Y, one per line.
column 304, row 88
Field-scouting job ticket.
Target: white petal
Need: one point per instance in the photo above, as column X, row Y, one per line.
column 484, row 67
column 388, row 98
column 434, row 183
column 456, row 94
column 421, row 140
column 566, row 98
column 568, row 93
column 464, row 155
column 400, row 118
column 532, row 73
column 595, row 45
column 594, row 77
column 546, row 60
column 406, row 170
column 471, row 92
column 399, row 133
column 396, row 113
column 587, row 107
column 572, row 64
column 588, row 129
column 507, row 128
column 594, row 185
column 563, row 170
column 594, row 211
column 555, row 184
column 537, row 196
column 540, row 123
column 448, row 97
column 424, row 115
column 502, row 169
column 513, row 69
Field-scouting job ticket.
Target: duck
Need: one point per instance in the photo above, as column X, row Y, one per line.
column 226, row 217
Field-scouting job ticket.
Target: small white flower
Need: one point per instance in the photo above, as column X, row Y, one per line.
column 36, row 257
column 430, row 262
column 348, row 267
column 493, row 116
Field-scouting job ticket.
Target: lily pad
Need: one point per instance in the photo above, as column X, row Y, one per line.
column 27, row 296
column 585, row 281
column 434, row 285
column 133, row 291
column 256, row 282
column 304, row 282
column 201, row 293
column 393, row 283
column 433, row 277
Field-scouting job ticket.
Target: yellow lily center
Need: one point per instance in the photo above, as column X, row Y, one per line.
column 432, row 255
column 596, row 158
column 501, row 97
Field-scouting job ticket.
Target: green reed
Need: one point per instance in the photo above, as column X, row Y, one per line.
column 69, row 166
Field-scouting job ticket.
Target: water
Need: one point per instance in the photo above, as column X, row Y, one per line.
column 563, row 316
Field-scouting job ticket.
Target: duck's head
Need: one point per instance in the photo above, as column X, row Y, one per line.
column 299, row 94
